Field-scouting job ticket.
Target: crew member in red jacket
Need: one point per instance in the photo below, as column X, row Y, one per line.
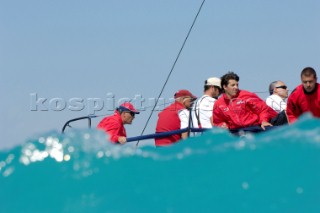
column 175, row 117
column 239, row 108
column 305, row 97
column 114, row 125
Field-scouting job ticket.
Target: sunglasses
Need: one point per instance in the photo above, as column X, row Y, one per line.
column 282, row 87
column 132, row 114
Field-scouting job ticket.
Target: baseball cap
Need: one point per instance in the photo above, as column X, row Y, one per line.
column 128, row 107
column 213, row 82
column 183, row 93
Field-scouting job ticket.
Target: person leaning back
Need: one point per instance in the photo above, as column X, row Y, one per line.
column 305, row 97
column 237, row 109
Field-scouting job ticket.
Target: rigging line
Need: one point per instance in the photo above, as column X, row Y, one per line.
column 173, row 66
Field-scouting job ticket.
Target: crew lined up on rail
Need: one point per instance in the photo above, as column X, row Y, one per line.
column 224, row 105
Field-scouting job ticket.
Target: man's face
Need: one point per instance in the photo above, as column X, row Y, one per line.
column 281, row 89
column 215, row 92
column 231, row 89
column 309, row 82
column 127, row 117
column 187, row 102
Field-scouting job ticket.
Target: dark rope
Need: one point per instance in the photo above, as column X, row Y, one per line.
column 173, row 66
column 165, row 134
column 237, row 132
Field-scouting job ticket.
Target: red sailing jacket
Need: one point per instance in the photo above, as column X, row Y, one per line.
column 244, row 110
column 113, row 126
column 300, row 102
column 168, row 121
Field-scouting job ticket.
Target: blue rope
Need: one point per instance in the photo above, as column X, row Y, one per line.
column 252, row 129
column 164, row 134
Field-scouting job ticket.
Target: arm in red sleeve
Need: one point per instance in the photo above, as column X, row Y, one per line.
column 113, row 128
column 292, row 111
column 218, row 117
column 260, row 108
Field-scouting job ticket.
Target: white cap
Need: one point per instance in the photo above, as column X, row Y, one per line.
column 213, row 82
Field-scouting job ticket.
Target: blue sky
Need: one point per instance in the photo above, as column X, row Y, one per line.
column 87, row 49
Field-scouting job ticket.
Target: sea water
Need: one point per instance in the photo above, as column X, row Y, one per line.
column 274, row 171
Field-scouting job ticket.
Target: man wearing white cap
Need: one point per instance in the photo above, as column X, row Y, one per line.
column 202, row 109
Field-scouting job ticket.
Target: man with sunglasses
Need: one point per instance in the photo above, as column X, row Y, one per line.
column 175, row 117
column 114, row 125
column 305, row 97
column 278, row 93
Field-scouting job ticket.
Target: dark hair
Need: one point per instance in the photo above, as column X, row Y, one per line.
column 206, row 87
column 229, row 76
column 220, row 90
column 272, row 86
column 308, row 71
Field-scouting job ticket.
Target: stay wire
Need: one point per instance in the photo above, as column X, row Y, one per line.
column 172, row 68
